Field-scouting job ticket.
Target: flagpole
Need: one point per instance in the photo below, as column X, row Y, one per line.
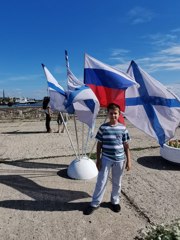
column 76, row 135
column 67, row 67
column 68, row 134
column 92, row 148
column 87, row 139
column 83, row 133
column 79, row 169
column 82, row 139
column 96, row 141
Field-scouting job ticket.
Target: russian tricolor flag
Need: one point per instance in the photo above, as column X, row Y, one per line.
column 107, row 83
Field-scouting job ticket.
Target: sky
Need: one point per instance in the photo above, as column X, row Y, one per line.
column 114, row 32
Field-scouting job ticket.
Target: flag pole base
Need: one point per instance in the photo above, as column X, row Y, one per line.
column 171, row 154
column 83, row 168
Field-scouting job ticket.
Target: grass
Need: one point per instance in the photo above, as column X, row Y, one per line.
column 161, row 232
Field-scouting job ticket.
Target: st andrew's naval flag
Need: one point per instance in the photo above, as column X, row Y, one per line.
column 107, row 83
column 85, row 105
column 73, row 83
column 56, row 92
column 151, row 107
column 81, row 101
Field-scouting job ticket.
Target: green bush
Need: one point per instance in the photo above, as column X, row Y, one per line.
column 174, row 143
column 162, row 232
column 93, row 156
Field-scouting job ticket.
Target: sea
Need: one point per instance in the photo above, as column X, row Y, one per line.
column 22, row 105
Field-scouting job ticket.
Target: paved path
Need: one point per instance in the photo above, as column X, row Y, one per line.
column 38, row 200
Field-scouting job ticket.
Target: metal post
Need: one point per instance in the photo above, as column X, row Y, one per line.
column 69, row 135
column 76, row 135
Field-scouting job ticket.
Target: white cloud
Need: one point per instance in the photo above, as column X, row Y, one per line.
column 122, row 67
column 164, row 57
column 119, row 52
column 175, row 88
column 174, row 50
column 160, row 62
column 160, row 40
column 24, row 77
column 58, row 69
column 176, row 30
column 163, row 66
column 165, row 54
column 39, row 94
column 140, row 15
column 152, row 64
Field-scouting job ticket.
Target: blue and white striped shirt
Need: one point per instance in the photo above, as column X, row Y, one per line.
column 112, row 139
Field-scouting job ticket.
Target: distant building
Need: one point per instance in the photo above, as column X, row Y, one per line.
column 3, row 94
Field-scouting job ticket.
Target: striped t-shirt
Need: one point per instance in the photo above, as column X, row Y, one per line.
column 112, row 138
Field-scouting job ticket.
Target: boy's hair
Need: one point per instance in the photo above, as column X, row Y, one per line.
column 45, row 102
column 113, row 106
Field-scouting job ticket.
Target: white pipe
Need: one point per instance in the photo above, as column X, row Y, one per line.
column 76, row 136
column 85, row 147
column 82, row 139
column 68, row 135
column 96, row 140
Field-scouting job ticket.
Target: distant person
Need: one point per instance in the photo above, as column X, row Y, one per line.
column 48, row 113
column 60, row 121
column 112, row 146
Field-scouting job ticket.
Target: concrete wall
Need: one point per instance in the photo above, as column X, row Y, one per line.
column 25, row 113
column 14, row 113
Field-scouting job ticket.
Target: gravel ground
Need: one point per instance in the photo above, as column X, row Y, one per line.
column 39, row 201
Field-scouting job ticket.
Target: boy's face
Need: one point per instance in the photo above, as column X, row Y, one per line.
column 113, row 115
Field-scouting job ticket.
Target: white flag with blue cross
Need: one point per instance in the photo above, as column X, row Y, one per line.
column 151, row 107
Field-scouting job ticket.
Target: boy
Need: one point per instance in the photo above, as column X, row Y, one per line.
column 112, row 144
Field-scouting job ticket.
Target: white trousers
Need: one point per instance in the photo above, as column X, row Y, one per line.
column 117, row 172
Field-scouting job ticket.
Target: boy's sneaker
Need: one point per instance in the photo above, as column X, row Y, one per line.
column 89, row 210
column 116, row 208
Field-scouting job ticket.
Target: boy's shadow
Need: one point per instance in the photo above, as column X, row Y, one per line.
column 43, row 199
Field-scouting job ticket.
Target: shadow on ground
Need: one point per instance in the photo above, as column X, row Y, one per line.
column 3, row 160
column 25, row 132
column 63, row 173
column 24, row 163
column 43, row 199
column 157, row 162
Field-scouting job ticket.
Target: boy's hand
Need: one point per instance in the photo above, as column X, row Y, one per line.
column 98, row 155
column 128, row 165
column 98, row 165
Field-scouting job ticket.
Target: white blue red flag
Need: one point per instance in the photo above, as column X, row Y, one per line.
column 56, row 92
column 107, row 83
column 151, row 107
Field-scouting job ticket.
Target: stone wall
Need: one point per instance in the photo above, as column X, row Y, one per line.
column 29, row 113
column 24, row 113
